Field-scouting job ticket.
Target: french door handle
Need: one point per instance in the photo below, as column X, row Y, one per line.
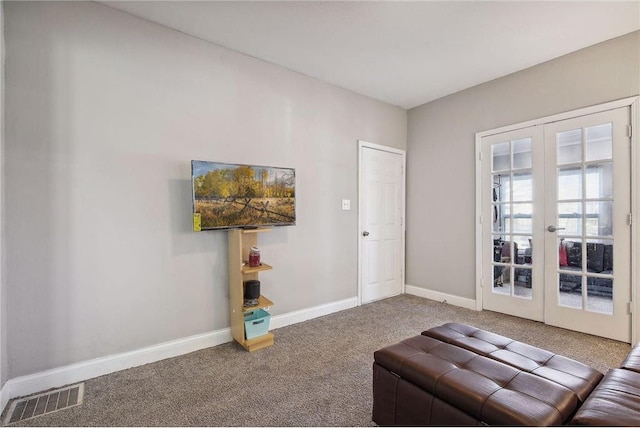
column 552, row 228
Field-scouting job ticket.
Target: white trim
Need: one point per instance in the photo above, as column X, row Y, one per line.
column 478, row 223
column 4, row 397
column 53, row 378
column 463, row 302
column 295, row 317
column 73, row 373
column 635, row 214
column 3, row 252
column 624, row 102
column 362, row 143
column 403, row 153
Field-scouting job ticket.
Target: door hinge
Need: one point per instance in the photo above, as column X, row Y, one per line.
column 629, row 131
column 480, row 219
column 629, row 219
column 480, row 156
column 629, row 308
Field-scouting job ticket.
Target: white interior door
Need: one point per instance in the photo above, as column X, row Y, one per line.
column 555, row 211
column 381, row 222
column 588, row 235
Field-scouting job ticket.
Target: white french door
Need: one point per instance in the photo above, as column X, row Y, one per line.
column 556, row 199
column 514, row 193
column 381, row 210
column 588, row 235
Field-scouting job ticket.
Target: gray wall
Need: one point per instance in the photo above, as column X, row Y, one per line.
column 441, row 150
column 104, row 112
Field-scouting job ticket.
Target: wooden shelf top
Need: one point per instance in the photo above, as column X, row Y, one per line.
column 249, row 269
column 263, row 302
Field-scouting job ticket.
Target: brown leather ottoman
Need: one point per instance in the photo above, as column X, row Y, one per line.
column 632, row 362
column 578, row 377
column 424, row 381
column 615, row 402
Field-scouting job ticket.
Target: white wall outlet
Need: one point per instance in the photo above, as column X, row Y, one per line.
column 346, row 204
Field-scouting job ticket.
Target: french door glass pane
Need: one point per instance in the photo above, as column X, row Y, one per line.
column 501, row 280
column 501, row 268
column 522, row 283
column 599, row 142
column 600, row 256
column 525, row 252
column 501, row 217
column 599, row 220
column 501, row 156
column 569, row 218
column 522, row 153
column 607, row 256
column 569, row 183
column 502, row 187
column 599, row 295
column 521, row 221
column 570, row 290
column 569, row 146
column 508, row 252
column 599, row 180
column 522, row 187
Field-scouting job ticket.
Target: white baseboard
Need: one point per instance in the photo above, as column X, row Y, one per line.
column 30, row 384
column 441, row 297
column 295, row 317
column 4, row 397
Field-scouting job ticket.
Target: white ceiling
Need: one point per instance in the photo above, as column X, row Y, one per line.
column 403, row 53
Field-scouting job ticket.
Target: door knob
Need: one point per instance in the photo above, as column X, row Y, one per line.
column 553, row 228
column 365, row 233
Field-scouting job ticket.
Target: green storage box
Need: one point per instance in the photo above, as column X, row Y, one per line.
column 256, row 323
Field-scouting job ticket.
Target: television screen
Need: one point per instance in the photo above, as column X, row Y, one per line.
column 229, row 195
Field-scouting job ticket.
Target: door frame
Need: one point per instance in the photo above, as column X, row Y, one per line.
column 634, row 104
column 362, row 145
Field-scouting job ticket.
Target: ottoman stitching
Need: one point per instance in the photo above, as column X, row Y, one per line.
column 505, row 387
column 540, row 363
column 562, row 371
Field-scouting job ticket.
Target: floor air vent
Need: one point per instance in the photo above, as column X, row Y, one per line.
column 42, row 404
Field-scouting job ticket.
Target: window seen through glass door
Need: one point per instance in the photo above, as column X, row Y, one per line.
column 585, row 218
column 512, row 207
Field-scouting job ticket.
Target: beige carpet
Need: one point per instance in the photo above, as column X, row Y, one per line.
column 318, row 373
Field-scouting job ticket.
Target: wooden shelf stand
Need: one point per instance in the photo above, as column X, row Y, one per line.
column 240, row 242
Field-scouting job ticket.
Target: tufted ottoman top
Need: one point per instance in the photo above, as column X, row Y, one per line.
column 632, row 362
column 492, row 392
column 616, row 401
column 578, row 377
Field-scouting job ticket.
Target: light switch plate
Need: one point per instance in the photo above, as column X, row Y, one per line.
column 346, row 204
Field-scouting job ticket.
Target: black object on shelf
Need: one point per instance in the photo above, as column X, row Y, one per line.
column 251, row 292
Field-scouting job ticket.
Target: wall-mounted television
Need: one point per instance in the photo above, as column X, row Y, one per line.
column 235, row 196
